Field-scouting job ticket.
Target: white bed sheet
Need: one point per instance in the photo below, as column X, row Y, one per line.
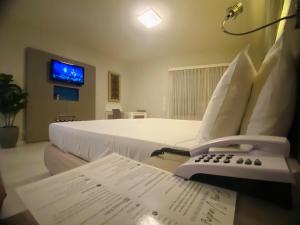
column 134, row 138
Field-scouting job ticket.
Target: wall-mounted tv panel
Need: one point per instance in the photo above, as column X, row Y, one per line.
column 66, row 73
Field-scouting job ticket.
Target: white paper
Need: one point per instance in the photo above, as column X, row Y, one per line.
column 117, row 190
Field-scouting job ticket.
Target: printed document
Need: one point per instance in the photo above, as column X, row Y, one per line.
column 116, row 190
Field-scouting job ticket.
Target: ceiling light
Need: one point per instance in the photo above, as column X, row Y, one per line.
column 149, row 18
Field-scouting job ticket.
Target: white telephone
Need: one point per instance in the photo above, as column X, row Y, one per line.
column 253, row 157
column 247, row 143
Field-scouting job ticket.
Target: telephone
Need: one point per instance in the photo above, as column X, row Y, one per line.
column 258, row 143
column 251, row 164
column 243, row 156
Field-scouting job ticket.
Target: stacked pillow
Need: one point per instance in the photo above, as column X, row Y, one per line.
column 227, row 105
column 267, row 108
column 273, row 98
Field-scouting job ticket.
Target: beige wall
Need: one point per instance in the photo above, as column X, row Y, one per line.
column 15, row 37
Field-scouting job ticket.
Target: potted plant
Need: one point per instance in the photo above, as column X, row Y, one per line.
column 12, row 100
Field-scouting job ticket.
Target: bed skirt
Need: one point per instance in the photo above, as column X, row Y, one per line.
column 58, row 161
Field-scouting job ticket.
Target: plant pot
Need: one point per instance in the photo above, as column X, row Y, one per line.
column 9, row 136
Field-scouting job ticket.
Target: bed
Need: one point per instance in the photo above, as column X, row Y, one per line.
column 135, row 138
column 74, row 143
column 243, row 103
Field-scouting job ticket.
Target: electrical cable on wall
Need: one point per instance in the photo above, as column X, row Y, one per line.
column 237, row 9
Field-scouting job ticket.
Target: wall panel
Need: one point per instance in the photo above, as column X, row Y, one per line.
column 42, row 109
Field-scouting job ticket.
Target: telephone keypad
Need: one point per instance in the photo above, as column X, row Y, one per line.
column 217, row 158
column 226, row 161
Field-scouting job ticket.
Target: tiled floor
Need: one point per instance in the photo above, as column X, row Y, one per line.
column 21, row 165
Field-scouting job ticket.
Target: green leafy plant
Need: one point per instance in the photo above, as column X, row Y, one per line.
column 12, row 99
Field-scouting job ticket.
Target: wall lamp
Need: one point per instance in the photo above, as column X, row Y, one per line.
column 233, row 11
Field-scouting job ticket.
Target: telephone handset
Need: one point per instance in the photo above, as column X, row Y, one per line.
column 252, row 157
column 247, row 143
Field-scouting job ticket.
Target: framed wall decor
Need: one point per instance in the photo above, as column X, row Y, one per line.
column 113, row 87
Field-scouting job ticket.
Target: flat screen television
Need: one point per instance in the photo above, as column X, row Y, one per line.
column 67, row 73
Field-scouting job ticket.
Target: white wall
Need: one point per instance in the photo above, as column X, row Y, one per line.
column 144, row 84
column 148, row 87
column 149, row 79
column 15, row 37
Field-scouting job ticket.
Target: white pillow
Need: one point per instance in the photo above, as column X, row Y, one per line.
column 272, row 102
column 228, row 102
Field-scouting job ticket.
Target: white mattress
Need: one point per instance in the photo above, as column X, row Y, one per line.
column 134, row 138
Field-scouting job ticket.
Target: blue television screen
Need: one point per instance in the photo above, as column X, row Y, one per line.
column 65, row 72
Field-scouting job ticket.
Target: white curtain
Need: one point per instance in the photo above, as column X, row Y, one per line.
column 190, row 91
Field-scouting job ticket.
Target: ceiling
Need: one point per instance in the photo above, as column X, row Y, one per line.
column 111, row 26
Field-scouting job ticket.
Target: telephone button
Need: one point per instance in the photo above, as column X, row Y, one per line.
column 229, row 156
column 206, row 160
column 257, row 162
column 240, row 161
column 219, row 157
column 216, row 161
column 248, row 162
column 197, row 160
column 226, row 161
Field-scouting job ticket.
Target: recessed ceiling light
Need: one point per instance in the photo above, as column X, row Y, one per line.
column 149, row 18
